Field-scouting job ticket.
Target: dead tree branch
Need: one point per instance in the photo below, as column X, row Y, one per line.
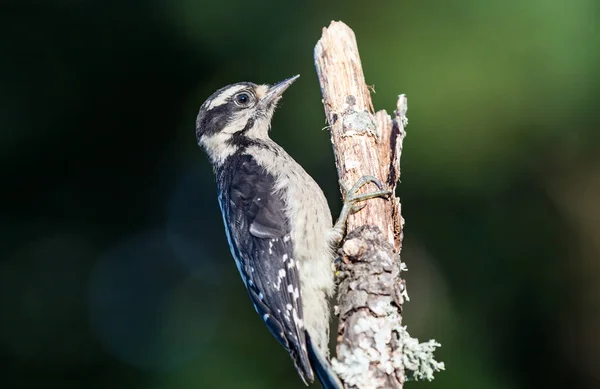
column 371, row 293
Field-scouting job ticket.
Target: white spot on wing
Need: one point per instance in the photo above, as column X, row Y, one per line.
column 299, row 322
column 295, row 292
column 281, row 276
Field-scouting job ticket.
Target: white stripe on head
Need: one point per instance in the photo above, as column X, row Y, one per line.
column 238, row 121
column 217, row 147
column 224, row 96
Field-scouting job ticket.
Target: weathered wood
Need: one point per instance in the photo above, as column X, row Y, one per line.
column 371, row 292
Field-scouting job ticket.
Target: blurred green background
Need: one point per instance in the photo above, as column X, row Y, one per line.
column 115, row 272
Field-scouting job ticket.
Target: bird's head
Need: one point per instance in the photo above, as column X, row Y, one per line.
column 237, row 116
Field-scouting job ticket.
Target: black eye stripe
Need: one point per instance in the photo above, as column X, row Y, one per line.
column 213, row 121
column 217, row 112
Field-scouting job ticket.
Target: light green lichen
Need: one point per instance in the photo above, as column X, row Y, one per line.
column 417, row 358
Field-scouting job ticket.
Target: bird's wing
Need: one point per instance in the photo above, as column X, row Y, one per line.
column 260, row 241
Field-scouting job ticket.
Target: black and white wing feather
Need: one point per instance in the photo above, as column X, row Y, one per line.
column 259, row 238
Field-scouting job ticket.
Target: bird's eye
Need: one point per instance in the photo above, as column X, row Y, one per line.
column 243, row 99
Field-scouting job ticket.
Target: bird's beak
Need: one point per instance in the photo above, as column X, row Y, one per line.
column 275, row 91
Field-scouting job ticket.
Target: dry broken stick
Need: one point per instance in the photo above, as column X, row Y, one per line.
column 372, row 350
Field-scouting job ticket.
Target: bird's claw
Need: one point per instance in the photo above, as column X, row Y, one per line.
column 351, row 198
column 357, row 207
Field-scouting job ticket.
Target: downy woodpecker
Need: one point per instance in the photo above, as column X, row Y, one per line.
column 277, row 221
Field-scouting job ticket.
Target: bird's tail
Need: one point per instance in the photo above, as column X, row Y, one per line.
column 322, row 367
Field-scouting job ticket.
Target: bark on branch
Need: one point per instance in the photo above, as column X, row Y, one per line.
column 371, row 293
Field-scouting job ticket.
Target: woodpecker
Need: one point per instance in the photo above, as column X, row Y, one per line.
column 277, row 221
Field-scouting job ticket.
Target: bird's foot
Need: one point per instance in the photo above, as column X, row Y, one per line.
column 352, row 200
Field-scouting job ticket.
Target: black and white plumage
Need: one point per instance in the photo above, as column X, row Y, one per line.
column 259, row 236
column 277, row 222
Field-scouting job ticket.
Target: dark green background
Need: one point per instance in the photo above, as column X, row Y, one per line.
column 115, row 272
